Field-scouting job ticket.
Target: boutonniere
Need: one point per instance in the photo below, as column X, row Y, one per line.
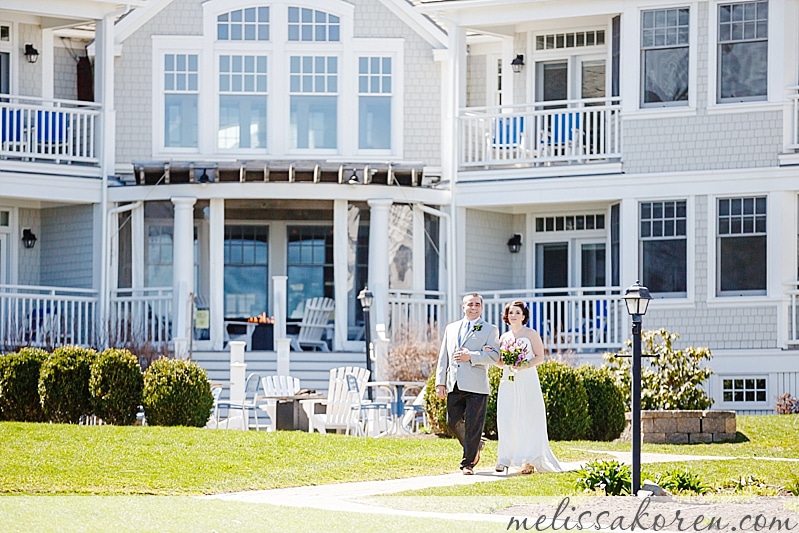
column 477, row 327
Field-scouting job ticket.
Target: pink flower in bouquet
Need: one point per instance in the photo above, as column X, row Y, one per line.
column 514, row 353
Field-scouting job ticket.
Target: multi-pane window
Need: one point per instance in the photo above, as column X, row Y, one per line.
column 312, row 25
column 242, row 102
column 374, row 103
column 250, row 24
column 313, row 82
column 181, row 89
column 570, row 223
column 744, row 389
column 743, row 51
column 664, row 247
column 246, row 254
column 664, row 55
column 309, row 266
column 159, row 256
column 741, row 266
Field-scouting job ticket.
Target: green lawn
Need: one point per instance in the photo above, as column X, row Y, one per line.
column 106, row 460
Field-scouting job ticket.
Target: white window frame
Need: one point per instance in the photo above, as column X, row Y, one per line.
column 689, row 45
column 714, row 249
column 764, row 404
column 777, row 76
column 163, row 45
column 218, row 95
column 686, row 238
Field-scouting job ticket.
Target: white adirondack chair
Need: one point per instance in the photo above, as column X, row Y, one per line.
column 343, row 403
column 315, row 318
column 275, row 387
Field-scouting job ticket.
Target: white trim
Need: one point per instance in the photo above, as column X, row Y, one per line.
column 426, row 28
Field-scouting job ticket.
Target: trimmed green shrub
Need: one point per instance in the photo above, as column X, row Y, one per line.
column 19, row 385
column 490, row 427
column 605, row 402
column 671, row 381
column 611, row 477
column 176, row 393
column 568, row 417
column 116, row 384
column 64, row 384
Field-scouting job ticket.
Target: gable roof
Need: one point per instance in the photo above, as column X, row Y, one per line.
column 403, row 9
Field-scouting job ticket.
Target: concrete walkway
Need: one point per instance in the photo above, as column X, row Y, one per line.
column 344, row 496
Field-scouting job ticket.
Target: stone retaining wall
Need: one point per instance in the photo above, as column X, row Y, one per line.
column 683, row 427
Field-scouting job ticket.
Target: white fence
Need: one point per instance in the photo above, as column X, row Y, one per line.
column 416, row 314
column 567, row 131
column 60, row 131
column 46, row 317
column 586, row 319
column 141, row 316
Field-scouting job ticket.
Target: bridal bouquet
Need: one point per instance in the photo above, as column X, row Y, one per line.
column 514, row 353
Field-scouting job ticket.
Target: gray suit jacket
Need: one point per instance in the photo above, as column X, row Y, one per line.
column 471, row 376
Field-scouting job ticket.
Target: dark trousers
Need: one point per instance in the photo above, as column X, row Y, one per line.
column 466, row 416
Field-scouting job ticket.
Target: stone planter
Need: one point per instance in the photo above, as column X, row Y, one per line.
column 684, row 427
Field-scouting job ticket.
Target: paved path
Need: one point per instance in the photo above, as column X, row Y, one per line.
column 343, row 496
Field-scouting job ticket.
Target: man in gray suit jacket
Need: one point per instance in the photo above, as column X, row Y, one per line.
column 469, row 348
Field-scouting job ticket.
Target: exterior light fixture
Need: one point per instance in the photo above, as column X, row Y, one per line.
column 31, row 54
column 518, row 63
column 366, row 298
column 354, row 181
column 204, row 178
column 637, row 299
column 28, row 238
column 515, row 243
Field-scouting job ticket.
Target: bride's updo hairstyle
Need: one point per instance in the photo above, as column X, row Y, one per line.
column 521, row 305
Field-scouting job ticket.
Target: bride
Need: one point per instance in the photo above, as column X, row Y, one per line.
column 521, row 414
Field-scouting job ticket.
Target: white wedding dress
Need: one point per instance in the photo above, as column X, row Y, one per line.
column 522, row 421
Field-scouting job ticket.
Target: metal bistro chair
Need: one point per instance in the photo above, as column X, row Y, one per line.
column 247, row 406
column 363, row 408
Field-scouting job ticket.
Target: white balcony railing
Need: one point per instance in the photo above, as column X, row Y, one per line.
column 46, row 317
column 58, row 131
column 139, row 316
column 586, row 319
column 567, row 131
column 794, row 118
column 416, row 314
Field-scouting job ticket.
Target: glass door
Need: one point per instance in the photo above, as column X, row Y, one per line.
column 592, row 264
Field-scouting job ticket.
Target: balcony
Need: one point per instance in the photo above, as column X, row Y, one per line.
column 540, row 134
column 60, row 132
column 569, row 320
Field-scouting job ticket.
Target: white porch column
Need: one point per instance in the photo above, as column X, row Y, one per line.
column 216, row 271
column 378, row 280
column 182, row 270
column 628, row 235
column 341, row 266
column 282, row 343
column 419, row 239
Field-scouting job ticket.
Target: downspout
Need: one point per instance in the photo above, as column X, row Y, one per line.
column 452, row 299
column 105, row 291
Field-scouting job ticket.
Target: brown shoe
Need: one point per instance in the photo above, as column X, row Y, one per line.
column 527, row 469
column 468, row 471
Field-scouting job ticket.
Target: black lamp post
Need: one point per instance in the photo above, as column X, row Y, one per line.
column 366, row 298
column 637, row 299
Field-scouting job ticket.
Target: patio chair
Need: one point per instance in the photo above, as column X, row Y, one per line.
column 11, row 131
column 52, row 131
column 368, row 412
column 315, row 318
column 274, row 387
column 247, row 407
column 562, row 136
column 507, row 139
column 341, row 400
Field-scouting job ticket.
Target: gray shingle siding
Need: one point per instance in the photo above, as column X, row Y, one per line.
column 67, row 235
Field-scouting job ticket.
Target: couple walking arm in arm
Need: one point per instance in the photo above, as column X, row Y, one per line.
column 470, row 346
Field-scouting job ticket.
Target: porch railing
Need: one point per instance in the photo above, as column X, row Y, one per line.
column 46, row 317
column 794, row 118
column 793, row 312
column 542, row 133
column 416, row 314
column 59, row 131
column 587, row 319
column 140, row 316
